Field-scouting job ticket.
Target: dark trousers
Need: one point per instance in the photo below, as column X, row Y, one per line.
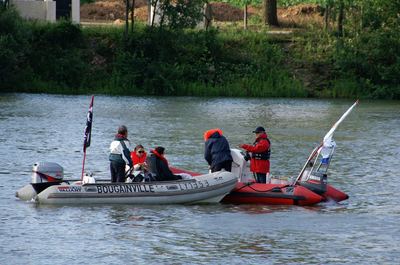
column 260, row 177
column 227, row 165
column 117, row 172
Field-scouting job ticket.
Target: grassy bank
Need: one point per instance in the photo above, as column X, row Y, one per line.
column 64, row 58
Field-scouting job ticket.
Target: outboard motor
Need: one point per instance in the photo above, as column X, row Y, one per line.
column 46, row 174
column 240, row 166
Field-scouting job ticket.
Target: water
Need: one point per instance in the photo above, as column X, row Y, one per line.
column 365, row 229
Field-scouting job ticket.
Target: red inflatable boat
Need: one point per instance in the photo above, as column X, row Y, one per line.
column 271, row 194
column 308, row 188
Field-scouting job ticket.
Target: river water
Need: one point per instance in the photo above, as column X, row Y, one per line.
column 364, row 229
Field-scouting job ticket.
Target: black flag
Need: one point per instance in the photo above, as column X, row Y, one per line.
column 88, row 128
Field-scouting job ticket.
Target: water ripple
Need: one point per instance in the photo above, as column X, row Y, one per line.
column 363, row 229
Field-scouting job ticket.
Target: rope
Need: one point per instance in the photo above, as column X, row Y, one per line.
column 249, row 184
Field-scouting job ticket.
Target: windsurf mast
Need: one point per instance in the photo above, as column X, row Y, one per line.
column 325, row 142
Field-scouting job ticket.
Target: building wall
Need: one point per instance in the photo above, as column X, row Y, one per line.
column 76, row 11
column 44, row 10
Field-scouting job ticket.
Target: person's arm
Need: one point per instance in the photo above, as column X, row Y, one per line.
column 126, row 154
column 261, row 146
column 207, row 152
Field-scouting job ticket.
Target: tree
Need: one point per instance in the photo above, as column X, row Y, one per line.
column 270, row 13
column 127, row 7
column 178, row 14
column 132, row 15
column 245, row 14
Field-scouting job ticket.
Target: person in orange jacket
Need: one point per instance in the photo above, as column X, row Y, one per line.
column 260, row 154
column 138, row 156
column 217, row 152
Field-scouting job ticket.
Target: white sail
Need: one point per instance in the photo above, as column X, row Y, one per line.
column 328, row 136
column 327, row 145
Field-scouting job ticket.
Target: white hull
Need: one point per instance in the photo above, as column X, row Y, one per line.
column 209, row 188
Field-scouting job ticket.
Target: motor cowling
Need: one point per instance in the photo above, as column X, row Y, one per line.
column 240, row 166
column 47, row 172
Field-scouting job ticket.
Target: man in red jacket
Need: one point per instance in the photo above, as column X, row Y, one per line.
column 260, row 154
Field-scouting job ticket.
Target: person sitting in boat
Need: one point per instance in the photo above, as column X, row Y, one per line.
column 217, row 152
column 260, row 154
column 120, row 155
column 138, row 156
column 158, row 166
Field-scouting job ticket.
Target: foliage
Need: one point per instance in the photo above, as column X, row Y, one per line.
column 179, row 14
column 86, row 1
column 281, row 3
column 150, row 61
column 369, row 54
column 364, row 61
column 61, row 61
column 14, row 45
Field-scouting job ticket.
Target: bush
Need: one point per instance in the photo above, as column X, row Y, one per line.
column 374, row 59
column 14, row 44
column 54, row 59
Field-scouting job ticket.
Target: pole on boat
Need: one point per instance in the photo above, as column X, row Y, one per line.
column 88, row 134
column 327, row 139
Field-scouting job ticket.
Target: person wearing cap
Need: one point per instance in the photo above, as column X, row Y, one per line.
column 138, row 156
column 217, row 152
column 120, row 155
column 260, row 154
column 158, row 165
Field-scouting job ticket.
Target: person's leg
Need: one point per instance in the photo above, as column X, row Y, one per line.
column 261, row 177
column 113, row 172
column 121, row 173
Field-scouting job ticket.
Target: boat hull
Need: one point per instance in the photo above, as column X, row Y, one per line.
column 209, row 188
column 271, row 194
column 328, row 192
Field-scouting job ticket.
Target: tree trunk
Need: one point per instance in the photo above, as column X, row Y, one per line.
column 207, row 15
column 154, row 4
column 245, row 17
column 326, row 16
column 132, row 15
column 340, row 18
column 270, row 13
column 126, row 17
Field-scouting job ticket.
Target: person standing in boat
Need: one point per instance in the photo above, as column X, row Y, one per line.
column 120, row 155
column 260, row 154
column 158, row 166
column 217, row 152
column 138, row 156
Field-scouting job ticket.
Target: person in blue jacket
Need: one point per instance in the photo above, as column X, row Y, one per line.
column 120, row 155
column 217, row 152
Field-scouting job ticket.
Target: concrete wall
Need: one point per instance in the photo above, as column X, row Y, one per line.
column 42, row 10
column 76, row 11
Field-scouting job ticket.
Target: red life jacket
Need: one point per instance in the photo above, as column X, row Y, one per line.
column 136, row 159
column 260, row 150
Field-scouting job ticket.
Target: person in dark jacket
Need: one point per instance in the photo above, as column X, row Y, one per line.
column 158, row 165
column 260, row 154
column 217, row 152
column 120, row 155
